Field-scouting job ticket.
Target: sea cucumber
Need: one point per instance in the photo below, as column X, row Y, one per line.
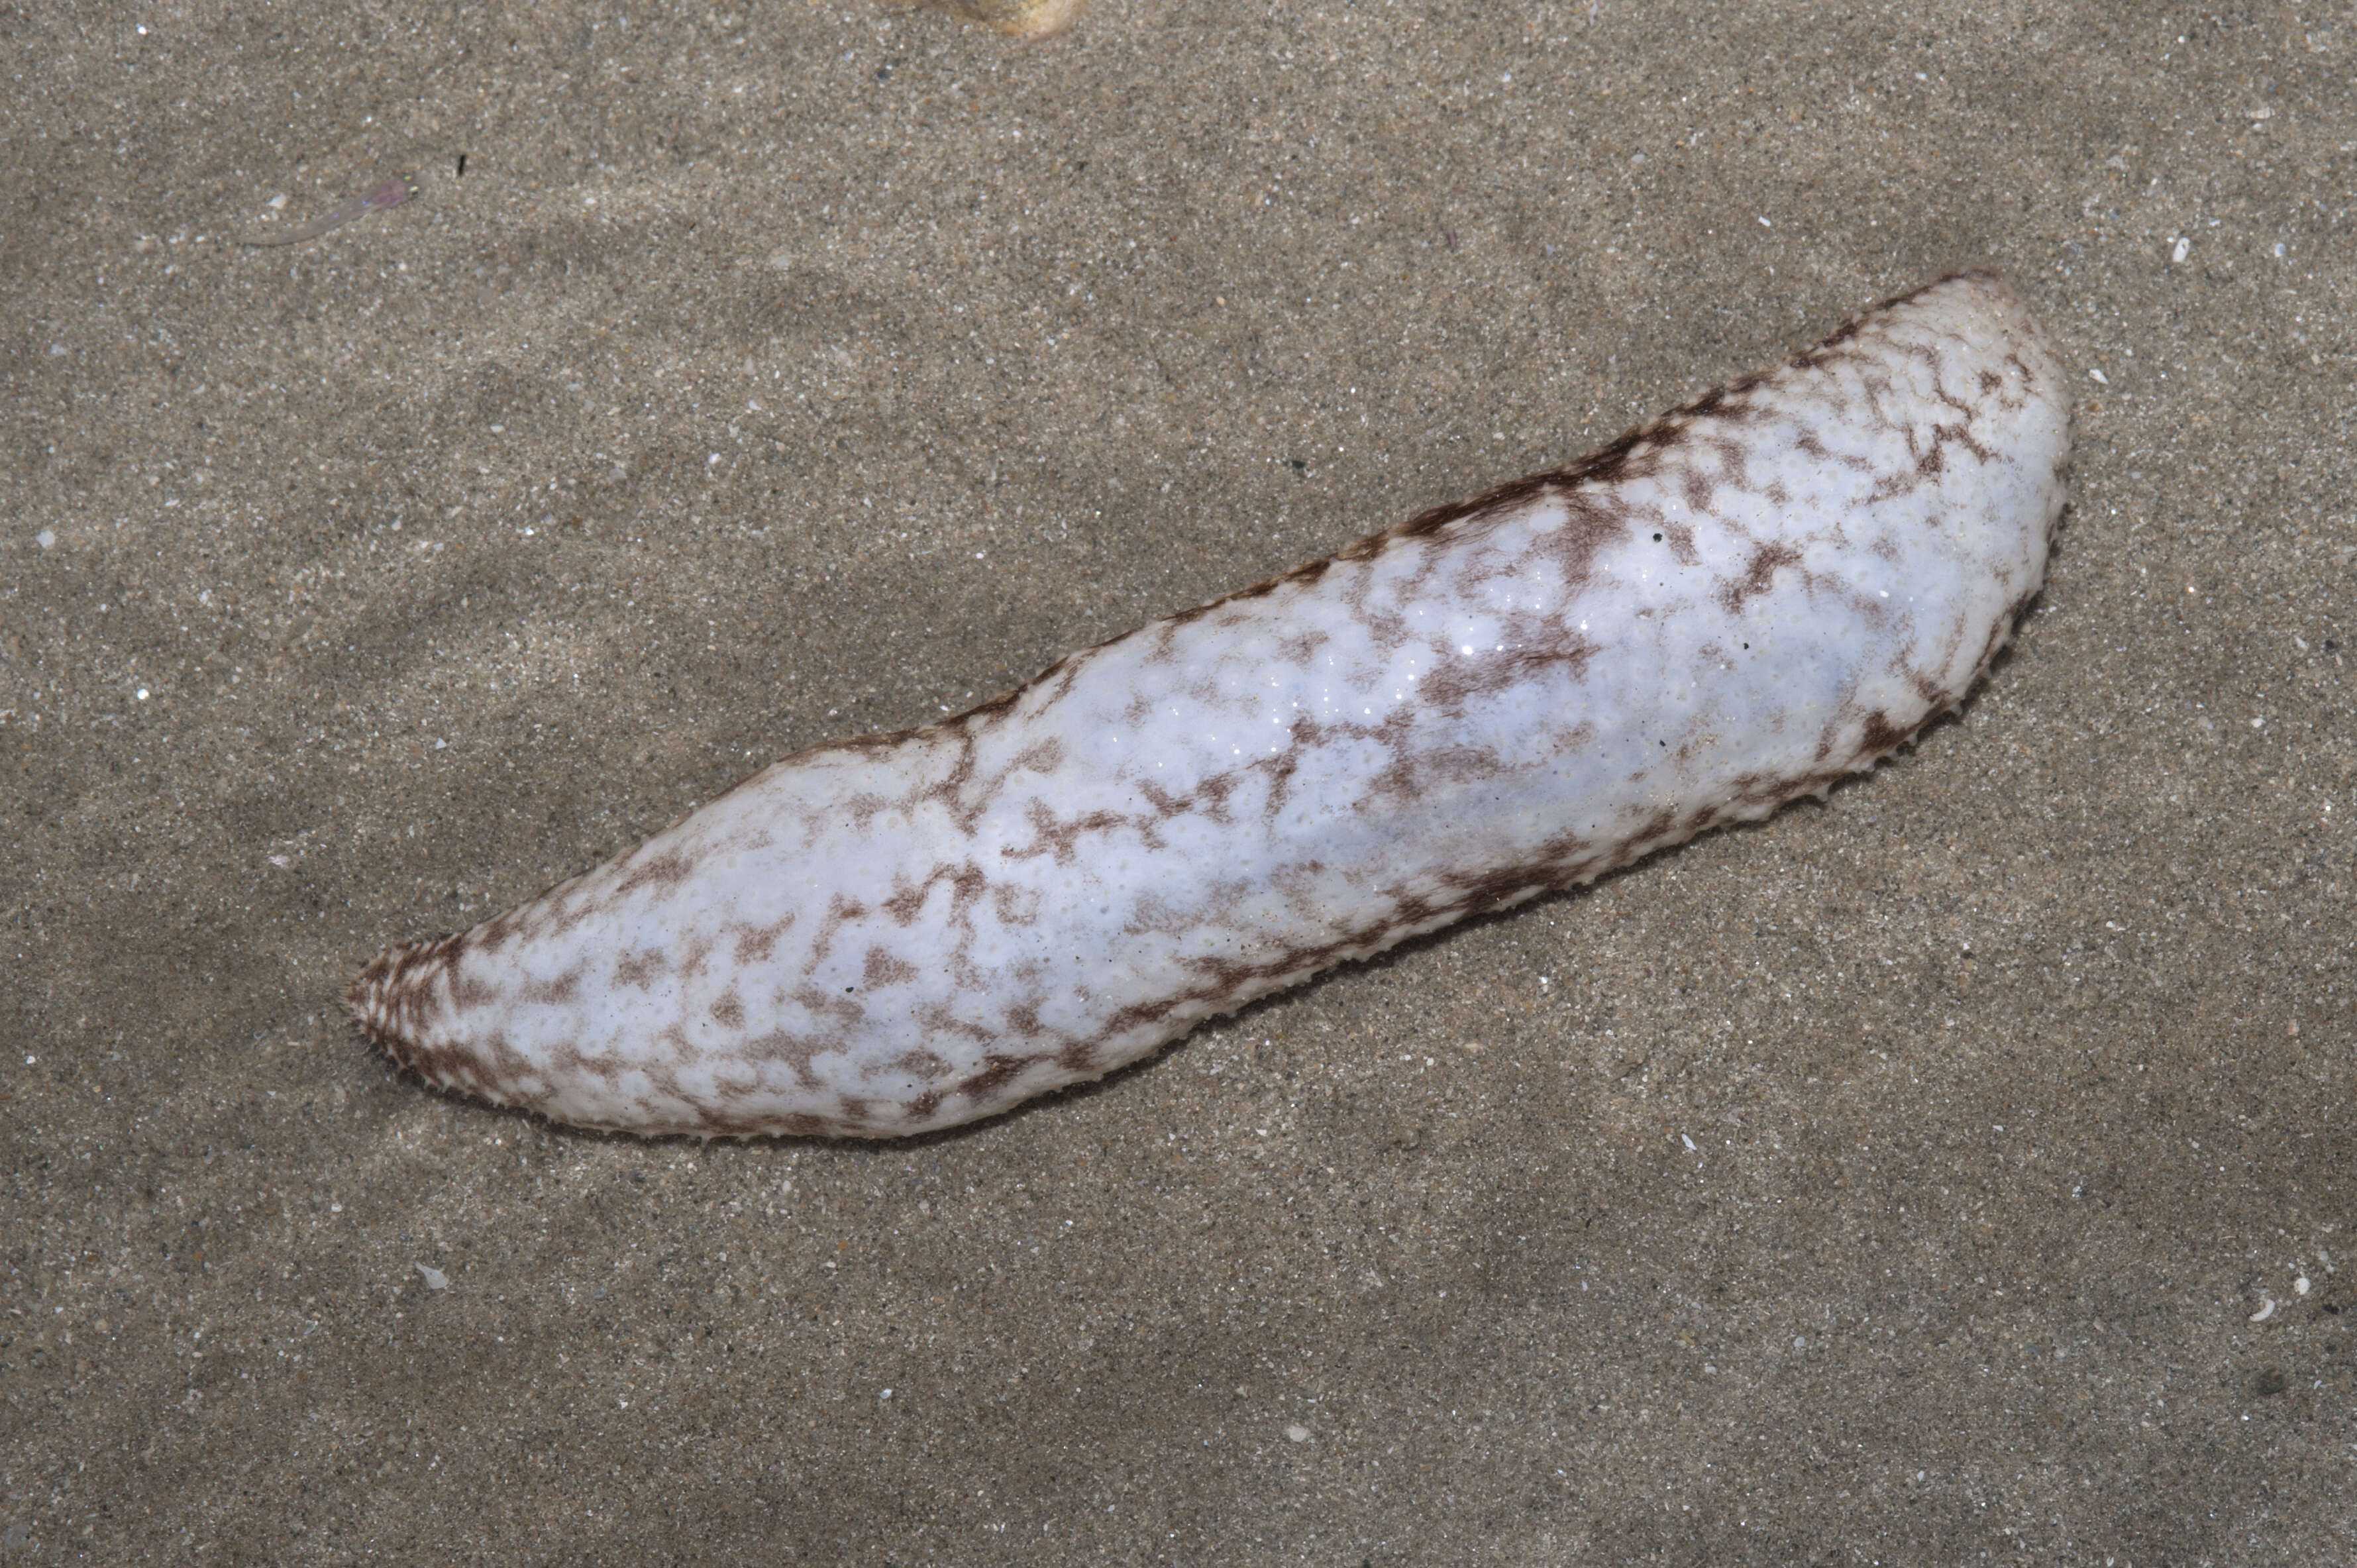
column 389, row 192
column 1733, row 605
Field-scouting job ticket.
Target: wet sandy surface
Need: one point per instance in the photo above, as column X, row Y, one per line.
column 745, row 376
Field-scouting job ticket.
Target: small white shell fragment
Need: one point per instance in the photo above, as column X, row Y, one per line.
column 2267, row 1310
column 2299, row 1285
column 434, row 1278
column 1297, row 1434
column 1733, row 606
column 1021, row 18
column 2178, row 251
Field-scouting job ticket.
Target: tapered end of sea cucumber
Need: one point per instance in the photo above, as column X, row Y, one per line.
column 399, row 994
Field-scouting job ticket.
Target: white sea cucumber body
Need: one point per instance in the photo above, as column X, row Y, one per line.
column 1731, row 606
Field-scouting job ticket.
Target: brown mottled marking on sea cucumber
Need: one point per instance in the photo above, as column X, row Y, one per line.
column 794, row 1051
column 940, row 1021
column 1698, row 487
column 925, row 1065
column 1279, row 768
column 1061, row 840
column 755, row 943
column 826, row 1005
column 694, row 950
column 641, row 968
column 882, row 969
column 1878, row 734
column 667, row 868
column 1016, row 906
column 967, row 883
column 1544, row 647
column 1758, row 576
column 493, row 934
column 998, row 1070
column 1045, row 758
column 840, row 912
column 555, row 992
column 470, row 988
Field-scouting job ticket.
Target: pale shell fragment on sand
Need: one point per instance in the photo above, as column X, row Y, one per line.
column 1020, row 18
